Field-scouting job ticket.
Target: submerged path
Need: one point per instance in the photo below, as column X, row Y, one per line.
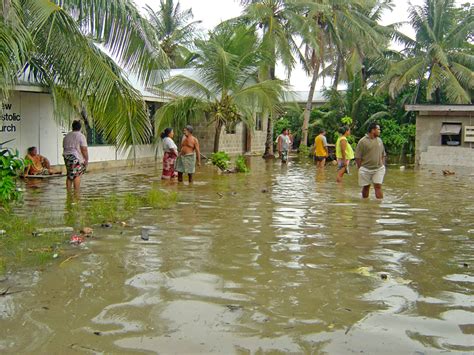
column 280, row 260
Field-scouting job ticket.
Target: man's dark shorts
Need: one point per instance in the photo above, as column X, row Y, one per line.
column 318, row 158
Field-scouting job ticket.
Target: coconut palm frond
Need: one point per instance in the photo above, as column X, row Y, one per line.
column 15, row 42
column 181, row 85
column 87, row 74
column 120, row 28
column 454, row 91
column 179, row 112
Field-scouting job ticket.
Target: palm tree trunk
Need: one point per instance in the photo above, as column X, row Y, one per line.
column 337, row 73
column 248, row 139
column 268, row 154
column 309, row 105
column 217, row 136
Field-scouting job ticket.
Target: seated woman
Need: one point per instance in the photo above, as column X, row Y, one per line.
column 38, row 165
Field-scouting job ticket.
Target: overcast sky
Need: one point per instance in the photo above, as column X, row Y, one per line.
column 212, row 12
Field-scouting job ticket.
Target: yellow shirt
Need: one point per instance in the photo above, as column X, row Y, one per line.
column 349, row 151
column 320, row 146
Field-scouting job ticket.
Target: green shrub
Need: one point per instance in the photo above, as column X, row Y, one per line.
column 221, row 160
column 241, row 165
column 303, row 151
column 11, row 166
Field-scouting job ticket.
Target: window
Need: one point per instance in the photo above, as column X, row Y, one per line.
column 258, row 121
column 94, row 135
column 451, row 134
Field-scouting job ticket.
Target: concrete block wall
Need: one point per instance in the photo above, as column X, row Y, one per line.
column 445, row 156
column 428, row 135
column 231, row 143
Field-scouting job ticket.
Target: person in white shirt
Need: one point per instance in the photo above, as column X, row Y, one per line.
column 170, row 154
column 76, row 156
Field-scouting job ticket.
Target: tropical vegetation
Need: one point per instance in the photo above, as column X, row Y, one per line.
column 226, row 87
column 175, row 32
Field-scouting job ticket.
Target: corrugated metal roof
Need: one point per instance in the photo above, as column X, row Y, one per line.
column 27, row 83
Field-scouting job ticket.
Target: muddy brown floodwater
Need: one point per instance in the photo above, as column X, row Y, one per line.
column 296, row 268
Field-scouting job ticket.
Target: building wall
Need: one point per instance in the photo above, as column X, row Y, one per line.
column 231, row 143
column 27, row 117
column 428, row 148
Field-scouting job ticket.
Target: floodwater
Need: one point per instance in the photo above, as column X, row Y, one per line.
column 296, row 268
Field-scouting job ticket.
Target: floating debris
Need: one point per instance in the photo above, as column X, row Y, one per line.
column 87, row 231
column 106, row 225
column 448, row 172
column 146, row 230
column 384, row 276
column 41, row 231
column 233, row 307
column 76, row 239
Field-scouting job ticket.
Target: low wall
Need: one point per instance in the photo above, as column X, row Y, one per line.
column 447, row 157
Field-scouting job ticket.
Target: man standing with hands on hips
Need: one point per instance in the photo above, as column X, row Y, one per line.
column 370, row 159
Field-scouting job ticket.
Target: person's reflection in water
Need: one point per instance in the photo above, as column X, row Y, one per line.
column 320, row 176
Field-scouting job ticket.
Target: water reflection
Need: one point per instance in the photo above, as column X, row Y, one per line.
column 283, row 259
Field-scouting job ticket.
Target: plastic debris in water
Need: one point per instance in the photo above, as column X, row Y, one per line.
column 76, row 239
column 145, row 234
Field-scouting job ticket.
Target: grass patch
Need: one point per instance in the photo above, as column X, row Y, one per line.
column 19, row 248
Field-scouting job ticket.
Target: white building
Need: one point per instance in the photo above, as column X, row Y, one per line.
column 27, row 120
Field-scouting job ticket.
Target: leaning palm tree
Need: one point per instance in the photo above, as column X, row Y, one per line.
column 280, row 22
column 56, row 43
column 175, row 31
column 343, row 25
column 440, row 54
column 225, row 89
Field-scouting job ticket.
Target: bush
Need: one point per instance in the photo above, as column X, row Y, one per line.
column 221, row 160
column 241, row 165
column 303, row 151
column 11, row 166
column 397, row 138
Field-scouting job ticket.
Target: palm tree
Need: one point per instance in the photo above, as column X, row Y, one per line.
column 440, row 54
column 56, row 43
column 226, row 89
column 344, row 27
column 279, row 22
column 174, row 31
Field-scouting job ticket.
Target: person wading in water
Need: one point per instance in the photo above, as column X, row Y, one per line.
column 186, row 162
